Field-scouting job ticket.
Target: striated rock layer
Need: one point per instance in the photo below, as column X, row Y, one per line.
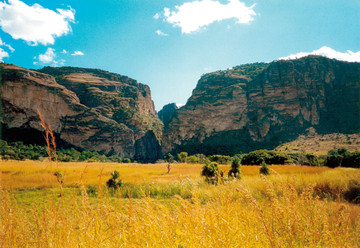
column 263, row 105
column 86, row 108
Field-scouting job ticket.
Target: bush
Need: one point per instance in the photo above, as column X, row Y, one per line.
column 341, row 157
column 221, row 159
column 255, row 157
column 333, row 161
column 182, row 156
column 305, row 159
column 351, row 160
column 202, row 158
column 210, row 171
column 169, row 158
column 19, row 151
column 235, row 172
column 264, row 169
column 126, row 160
column 193, row 159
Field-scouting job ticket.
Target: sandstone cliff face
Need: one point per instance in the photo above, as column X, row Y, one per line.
column 86, row 108
column 262, row 105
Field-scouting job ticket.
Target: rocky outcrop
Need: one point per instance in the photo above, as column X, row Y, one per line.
column 263, row 105
column 167, row 113
column 86, row 108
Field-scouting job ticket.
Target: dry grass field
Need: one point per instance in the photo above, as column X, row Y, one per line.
column 294, row 207
column 35, row 174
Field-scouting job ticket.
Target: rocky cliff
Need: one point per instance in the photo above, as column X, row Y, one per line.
column 87, row 108
column 167, row 113
column 263, row 105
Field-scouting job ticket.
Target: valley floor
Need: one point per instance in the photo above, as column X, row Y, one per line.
column 296, row 206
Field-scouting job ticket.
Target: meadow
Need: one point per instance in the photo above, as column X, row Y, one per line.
column 296, row 206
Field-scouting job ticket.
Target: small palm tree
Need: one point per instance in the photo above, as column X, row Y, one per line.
column 114, row 182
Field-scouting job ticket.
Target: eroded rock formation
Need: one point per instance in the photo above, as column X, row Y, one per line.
column 86, row 108
column 262, row 105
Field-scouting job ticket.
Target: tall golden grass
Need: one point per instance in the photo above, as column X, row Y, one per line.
column 233, row 215
column 286, row 209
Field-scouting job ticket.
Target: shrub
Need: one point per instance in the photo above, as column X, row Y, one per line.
column 235, row 169
column 20, row 151
column 202, row 158
column 335, row 158
column 221, row 159
column 269, row 157
column 351, row 160
column 193, row 159
column 305, row 159
column 264, row 169
column 238, row 156
column 255, row 157
column 333, row 161
column 182, row 156
column 126, row 160
column 210, row 171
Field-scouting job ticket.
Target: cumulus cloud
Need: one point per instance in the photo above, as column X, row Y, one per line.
column 159, row 32
column 3, row 54
column 192, row 16
column 329, row 53
column 77, row 53
column 48, row 57
column 34, row 24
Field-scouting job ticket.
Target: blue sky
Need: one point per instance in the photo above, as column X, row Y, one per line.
column 169, row 44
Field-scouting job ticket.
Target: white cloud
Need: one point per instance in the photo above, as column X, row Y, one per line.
column 156, row 16
column 159, row 32
column 329, row 53
column 48, row 57
column 7, row 45
column 192, row 16
column 34, row 24
column 64, row 51
column 3, row 54
column 77, row 53
column 10, row 47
